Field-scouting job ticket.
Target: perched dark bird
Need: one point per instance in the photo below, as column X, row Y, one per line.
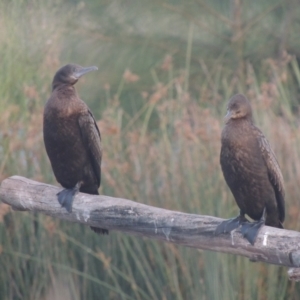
column 251, row 171
column 72, row 138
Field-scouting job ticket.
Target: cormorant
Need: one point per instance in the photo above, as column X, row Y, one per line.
column 72, row 138
column 251, row 171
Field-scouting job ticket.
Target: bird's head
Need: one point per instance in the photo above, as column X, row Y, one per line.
column 238, row 107
column 69, row 74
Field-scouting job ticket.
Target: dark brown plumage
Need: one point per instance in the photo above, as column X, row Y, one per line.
column 72, row 138
column 251, row 171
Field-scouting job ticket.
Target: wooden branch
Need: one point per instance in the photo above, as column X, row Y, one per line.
column 274, row 246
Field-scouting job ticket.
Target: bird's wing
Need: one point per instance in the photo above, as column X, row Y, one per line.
column 92, row 139
column 274, row 173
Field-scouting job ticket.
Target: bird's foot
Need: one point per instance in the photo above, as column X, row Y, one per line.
column 66, row 197
column 250, row 230
column 229, row 225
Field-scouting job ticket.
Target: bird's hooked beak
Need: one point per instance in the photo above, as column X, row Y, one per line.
column 227, row 116
column 83, row 71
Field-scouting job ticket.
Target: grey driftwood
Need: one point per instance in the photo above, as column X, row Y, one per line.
column 274, row 246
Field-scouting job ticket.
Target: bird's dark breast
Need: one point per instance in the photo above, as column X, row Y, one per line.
column 247, row 176
column 67, row 153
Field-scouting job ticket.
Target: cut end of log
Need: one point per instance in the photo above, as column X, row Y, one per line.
column 294, row 274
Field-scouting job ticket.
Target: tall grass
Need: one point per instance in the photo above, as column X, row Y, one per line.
column 160, row 96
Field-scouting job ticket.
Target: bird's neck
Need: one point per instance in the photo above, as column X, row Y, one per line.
column 63, row 86
column 237, row 128
column 65, row 90
column 240, row 122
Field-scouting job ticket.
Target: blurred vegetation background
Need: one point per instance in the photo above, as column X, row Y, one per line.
column 166, row 71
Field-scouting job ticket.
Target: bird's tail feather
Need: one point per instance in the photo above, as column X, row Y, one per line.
column 100, row 231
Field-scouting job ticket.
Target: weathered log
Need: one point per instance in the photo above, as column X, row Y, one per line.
column 273, row 245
